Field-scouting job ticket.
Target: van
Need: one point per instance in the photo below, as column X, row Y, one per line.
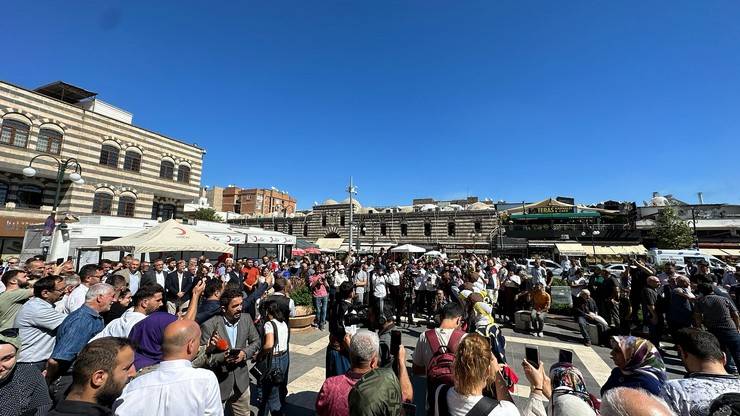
column 679, row 257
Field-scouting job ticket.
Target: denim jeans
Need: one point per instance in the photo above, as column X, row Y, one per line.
column 582, row 324
column 272, row 397
column 729, row 340
column 538, row 320
column 321, row 303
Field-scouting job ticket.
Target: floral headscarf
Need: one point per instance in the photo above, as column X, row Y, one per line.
column 566, row 379
column 641, row 357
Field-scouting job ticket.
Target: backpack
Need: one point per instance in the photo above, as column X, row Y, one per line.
column 439, row 370
column 484, row 407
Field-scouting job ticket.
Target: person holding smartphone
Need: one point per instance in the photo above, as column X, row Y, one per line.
column 475, row 368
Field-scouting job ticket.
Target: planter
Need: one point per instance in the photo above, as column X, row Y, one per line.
column 303, row 318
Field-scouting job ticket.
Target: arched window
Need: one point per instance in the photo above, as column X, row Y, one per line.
column 14, row 133
column 132, row 161
column 427, row 229
column 30, row 196
column 102, row 203
column 50, row 141
column 166, row 169
column 183, row 174
column 3, row 193
column 290, row 228
column 109, row 155
column 126, row 205
column 404, row 230
column 451, row 229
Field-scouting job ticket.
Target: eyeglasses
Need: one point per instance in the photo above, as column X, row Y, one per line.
column 9, row 332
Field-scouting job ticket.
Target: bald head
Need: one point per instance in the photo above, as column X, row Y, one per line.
column 624, row 401
column 653, row 281
column 181, row 340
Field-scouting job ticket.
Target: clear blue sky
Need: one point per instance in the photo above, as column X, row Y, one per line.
column 503, row 99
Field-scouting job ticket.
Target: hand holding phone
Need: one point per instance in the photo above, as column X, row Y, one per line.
column 532, row 355
column 395, row 342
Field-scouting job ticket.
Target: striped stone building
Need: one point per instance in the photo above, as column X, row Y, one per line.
column 454, row 227
column 127, row 170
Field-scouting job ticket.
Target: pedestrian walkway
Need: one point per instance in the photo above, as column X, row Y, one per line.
column 308, row 349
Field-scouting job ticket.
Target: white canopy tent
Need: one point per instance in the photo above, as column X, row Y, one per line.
column 433, row 253
column 408, row 248
column 167, row 236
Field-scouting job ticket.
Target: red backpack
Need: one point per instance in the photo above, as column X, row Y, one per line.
column 439, row 370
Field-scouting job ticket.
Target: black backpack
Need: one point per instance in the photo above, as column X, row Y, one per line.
column 484, row 407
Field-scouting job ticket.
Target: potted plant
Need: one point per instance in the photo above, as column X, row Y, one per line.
column 303, row 300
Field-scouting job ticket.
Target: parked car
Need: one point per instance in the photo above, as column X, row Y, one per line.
column 616, row 268
column 548, row 264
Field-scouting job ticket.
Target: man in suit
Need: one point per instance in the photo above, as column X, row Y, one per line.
column 155, row 275
column 177, row 287
column 232, row 367
column 132, row 275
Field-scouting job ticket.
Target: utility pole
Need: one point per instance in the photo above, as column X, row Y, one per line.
column 352, row 190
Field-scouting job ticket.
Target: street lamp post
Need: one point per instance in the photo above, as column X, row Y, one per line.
column 594, row 233
column 62, row 166
column 75, row 177
column 352, row 190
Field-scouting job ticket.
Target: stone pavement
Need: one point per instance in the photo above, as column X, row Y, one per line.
column 308, row 349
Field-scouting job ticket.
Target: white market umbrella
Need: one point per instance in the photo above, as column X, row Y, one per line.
column 167, row 236
column 433, row 253
column 408, row 248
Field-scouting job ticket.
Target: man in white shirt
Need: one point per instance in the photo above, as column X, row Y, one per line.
column 132, row 276
column 147, row 301
column 90, row 275
column 179, row 388
column 156, row 275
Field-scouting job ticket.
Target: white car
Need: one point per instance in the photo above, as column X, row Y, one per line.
column 548, row 264
column 616, row 269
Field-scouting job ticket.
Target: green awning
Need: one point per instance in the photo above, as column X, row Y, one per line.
column 585, row 214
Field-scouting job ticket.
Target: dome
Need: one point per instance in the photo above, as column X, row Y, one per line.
column 329, row 202
column 355, row 202
column 478, row 206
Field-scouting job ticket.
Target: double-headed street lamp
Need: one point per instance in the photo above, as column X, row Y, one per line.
column 594, row 233
column 62, row 166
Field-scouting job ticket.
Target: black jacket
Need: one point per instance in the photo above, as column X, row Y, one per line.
column 171, row 286
column 76, row 408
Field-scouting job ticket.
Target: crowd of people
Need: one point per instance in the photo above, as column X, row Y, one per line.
column 203, row 337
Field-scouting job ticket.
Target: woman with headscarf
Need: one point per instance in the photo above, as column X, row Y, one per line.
column 147, row 335
column 565, row 389
column 639, row 365
column 23, row 390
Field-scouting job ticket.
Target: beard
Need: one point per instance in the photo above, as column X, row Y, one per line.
column 109, row 393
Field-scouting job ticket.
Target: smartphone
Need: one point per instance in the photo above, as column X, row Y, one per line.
column 565, row 356
column 532, row 355
column 395, row 342
column 234, row 352
column 60, row 260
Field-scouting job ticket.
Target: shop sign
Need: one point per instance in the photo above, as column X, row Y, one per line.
column 16, row 226
column 550, row 210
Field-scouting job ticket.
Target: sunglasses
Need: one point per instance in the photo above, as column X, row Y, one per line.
column 9, row 332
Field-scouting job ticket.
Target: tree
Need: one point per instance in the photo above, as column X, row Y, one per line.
column 207, row 214
column 671, row 232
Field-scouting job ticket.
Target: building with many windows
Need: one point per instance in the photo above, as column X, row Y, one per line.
column 128, row 171
column 255, row 201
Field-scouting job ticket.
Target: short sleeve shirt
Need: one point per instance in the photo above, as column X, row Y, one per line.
column 37, row 322
column 319, row 290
